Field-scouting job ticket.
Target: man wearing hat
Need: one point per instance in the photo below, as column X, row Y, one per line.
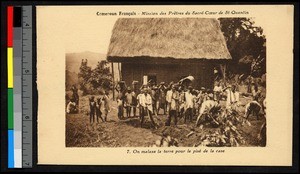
column 147, row 107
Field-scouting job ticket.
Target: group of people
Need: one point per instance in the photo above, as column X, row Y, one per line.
column 96, row 107
column 176, row 101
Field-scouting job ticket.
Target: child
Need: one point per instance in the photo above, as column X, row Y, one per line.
column 128, row 101
column 92, row 104
column 106, row 105
column 98, row 110
column 71, row 107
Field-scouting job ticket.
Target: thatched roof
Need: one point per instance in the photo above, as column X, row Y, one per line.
column 178, row 38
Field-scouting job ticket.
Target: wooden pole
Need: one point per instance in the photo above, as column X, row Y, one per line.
column 113, row 76
column 225, row 74
column 120, row 75
column 223, row 69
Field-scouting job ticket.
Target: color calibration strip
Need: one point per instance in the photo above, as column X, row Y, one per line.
column 19, row 53
column 10, row 82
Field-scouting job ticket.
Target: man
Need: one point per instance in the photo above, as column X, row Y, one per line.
column 207, row 106
column 169, row 97
column 120, row 105
column 155, row 99
column 249, row 83
column 135, row 91
column 217, row 92
column 128, row 101
column 181, row 102
column 195, row 102
column 173, row 106
column 162, row 97
column 232, row 97
column 188, row 97
column 255, row 91
column 146, row 103
column 92, row 104
column 252, row 108
column 201, row 96
column 141, row 102
column 216, row 73
column 120, row 88
column 106, row 105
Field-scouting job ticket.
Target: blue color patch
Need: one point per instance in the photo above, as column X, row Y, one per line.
column 11, row 149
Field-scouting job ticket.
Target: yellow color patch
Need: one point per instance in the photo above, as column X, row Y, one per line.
column 10, row 66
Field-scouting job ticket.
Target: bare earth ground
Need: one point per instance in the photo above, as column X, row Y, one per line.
column 128, row 133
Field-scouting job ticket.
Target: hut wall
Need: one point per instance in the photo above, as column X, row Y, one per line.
column 202, row 71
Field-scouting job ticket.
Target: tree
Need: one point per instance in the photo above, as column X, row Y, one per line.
column 92, row 81
column 246, row 44
column 84, row 76
column 101, row 76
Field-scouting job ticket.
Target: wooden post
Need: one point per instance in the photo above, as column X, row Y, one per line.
column 225, row 74
column 223, row 69
column 113, row 76
column 120, row 75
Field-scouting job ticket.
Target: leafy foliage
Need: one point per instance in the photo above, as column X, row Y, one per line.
column 246, row 44
column 101, row 76
column 84, row 75
column 228, row 123
column 94, row 80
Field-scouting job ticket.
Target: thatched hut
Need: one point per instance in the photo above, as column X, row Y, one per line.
column 168, row 49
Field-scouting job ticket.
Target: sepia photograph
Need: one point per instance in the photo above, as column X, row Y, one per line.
column 167, row 82
column 165, row 85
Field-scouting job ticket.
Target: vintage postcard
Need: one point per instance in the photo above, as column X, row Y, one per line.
column 165, row 85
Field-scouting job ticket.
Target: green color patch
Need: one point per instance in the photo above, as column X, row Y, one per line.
column 10, row 108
